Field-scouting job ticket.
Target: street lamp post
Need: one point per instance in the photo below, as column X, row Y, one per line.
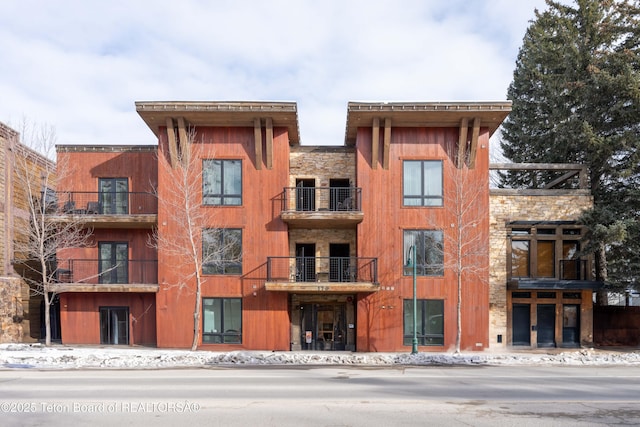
column 411, row 261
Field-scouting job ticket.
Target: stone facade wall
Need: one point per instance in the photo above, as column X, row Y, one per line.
column 508, row 208
column 323, row 164
column 11, row 309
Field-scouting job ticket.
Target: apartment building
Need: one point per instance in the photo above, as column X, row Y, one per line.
column 297, row 247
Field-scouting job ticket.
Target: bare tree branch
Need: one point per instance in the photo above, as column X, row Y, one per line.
column 182, row 202
column 41, row 235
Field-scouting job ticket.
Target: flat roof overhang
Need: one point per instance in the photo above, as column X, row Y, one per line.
column 424, row 114
column 221, row 113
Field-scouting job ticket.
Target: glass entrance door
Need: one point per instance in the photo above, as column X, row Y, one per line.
column 323, row 326
column 546, row 325
column 571, row 325
column 114, row 325
column 114, row 262
column 521, row 319
column 114, row 195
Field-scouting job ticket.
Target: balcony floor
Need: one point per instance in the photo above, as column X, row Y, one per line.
column 89, row 287
column 322, row 287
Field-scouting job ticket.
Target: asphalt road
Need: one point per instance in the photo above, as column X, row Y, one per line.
column 323, row 396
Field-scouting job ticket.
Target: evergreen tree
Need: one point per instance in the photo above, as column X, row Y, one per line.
column 576, row 99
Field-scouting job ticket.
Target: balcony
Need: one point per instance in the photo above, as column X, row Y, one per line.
column 322, row 274
column 574, row 275
column 326, row 207
column 104, row 209
column 93, row 275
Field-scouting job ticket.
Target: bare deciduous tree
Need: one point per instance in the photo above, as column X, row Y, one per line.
column 181, row 201
column 40, row 232
column 464, row 249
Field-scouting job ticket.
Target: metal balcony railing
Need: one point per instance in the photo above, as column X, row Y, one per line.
column 312, row 199
column 94, row 271
column 322, row 269
column 573, row 269
column 100, row 203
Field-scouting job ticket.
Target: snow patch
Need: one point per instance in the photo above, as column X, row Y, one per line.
column 22, row 356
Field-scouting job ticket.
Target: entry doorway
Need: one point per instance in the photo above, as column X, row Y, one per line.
column 546, row 325
column 323, row 326
column 340, row 194
column 305, row 262
column 305, row 194
column 521, row 319
column 339, row 268
column 114, row 325
column 571, row 325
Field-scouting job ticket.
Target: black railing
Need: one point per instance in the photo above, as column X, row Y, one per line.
column 322, row 269
column 94, row 271
column 573, row 269
column 311, row 199
column 101, row 203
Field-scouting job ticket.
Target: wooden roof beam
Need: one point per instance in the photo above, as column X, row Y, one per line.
column 257, row 136
column 171, row 138
column 183, row 140
column 375, row 142
column 474, row 142
column 269, row 141
column 387, row 143
column 462, row 141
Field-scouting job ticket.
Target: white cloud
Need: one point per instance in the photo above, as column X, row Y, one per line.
column 80, row 66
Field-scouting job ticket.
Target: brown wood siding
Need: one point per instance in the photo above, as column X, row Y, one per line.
column 79, row 312
column 86, row 167
column 380, row 315
column 265, row 323
column 80, row 316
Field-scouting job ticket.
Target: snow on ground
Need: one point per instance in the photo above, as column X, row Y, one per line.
column 37, row 356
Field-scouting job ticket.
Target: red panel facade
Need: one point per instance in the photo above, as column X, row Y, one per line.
column 265, row 316
column 380, row 315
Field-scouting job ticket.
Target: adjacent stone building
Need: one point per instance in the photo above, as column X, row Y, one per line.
column 541, row 287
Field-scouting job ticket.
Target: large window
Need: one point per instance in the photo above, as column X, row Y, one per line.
column 429, row 322
column 422, row 183
column 546, row 251
column 429, row 254
column 222, row 182
column 113, row 265
column 222, row 321
column 222, row 251
column 114, row 196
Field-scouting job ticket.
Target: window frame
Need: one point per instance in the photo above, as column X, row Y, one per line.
column 424, row 312
column 110, row 271
column 422, row 198
column 555, row 237
column 222, row 266
column 431, row 269
column 228, row 335
column 110, row 196
column 211, row 198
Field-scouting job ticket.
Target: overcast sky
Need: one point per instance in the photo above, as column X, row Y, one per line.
column 80, row 65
